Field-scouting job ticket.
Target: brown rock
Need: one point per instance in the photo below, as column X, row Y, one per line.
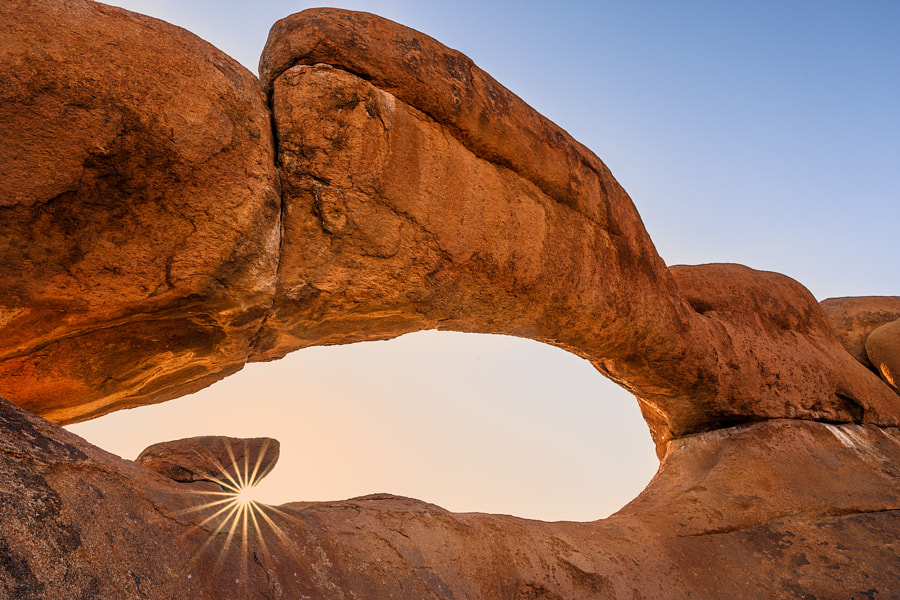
column 854, row 318
column 230, row 462
column 418, row 193
column 778, row 354
column 725, row 507
column 139, row 215
column 883, row 350
column 409, row 206
column 424, row 196
column 450, row 89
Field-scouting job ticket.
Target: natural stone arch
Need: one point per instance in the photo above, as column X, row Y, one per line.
column 470, row 422
column 419, row 193
column 101, row 320
column 416, row 192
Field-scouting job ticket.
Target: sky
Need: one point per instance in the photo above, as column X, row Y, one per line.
column 764, row 133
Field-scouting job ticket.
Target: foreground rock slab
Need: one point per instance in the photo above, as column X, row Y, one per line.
column 725, row 517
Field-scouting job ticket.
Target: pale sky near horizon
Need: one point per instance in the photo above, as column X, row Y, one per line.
column 763, row 133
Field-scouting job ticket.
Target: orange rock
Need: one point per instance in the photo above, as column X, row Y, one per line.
column 778, row 354
column 139, row 210
column 788, row 508
column 141, row 259
column 854, row 318
column 409, row 205
column 423, row 196
column 883, row 350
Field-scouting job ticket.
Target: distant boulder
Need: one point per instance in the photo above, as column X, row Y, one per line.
column 883, row 350
column 854, row 318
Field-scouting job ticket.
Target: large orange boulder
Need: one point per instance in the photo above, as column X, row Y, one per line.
column 139, row 209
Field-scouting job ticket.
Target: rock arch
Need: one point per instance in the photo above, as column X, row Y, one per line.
column 407, row 190
column 157, row 231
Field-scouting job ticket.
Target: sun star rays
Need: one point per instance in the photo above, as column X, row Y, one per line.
column 233, row 512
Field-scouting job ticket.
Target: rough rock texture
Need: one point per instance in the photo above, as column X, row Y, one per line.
column 883, row 350
column 147, row 249
column 725, row 517
column 237, row 462
column 139, row 211
column 418, row 193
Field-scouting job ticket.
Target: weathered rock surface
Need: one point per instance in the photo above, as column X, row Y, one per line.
column 883, row 350
column 854, row 318
column 726, row 517
column 147, row 249
column 227, row 461
column 139, row 211
column 418, row 193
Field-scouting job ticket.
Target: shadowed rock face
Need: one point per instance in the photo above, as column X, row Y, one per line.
column 228, row 462
column 149, row 245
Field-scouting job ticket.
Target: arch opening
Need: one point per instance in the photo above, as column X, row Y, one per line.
column 473, row 423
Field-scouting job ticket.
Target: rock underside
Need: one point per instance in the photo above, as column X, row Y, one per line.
column 154, row 238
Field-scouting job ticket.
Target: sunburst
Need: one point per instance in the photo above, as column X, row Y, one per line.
column 236, row 510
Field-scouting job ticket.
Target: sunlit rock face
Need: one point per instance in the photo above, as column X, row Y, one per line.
column 150, row 245
column 883, row 350
column 139, row 210
column 418, row 193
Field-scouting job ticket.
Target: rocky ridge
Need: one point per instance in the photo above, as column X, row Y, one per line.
column 155, row 238
column 139, row 209
column 412, row 191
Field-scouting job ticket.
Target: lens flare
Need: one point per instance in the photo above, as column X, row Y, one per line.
column 235, row 513
column 246, row 495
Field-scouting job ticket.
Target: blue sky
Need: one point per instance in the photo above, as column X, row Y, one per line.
column 763, row 133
